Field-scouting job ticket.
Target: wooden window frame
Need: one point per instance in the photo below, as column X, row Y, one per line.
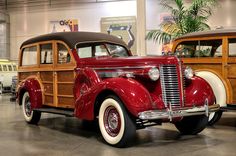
column 50, row 66
column 31, row 67
column 63, row 65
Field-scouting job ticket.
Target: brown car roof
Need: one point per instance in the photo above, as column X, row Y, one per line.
column 210, row 33
column 73, row 38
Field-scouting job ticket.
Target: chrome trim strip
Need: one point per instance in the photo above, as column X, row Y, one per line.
column 169, row 114
column 106, row 74
column 118, row 71
column 181, row 81
column 125, row 67
column 163, row 87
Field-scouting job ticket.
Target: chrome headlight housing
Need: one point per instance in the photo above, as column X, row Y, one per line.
column 154, row 74
column 188, row 72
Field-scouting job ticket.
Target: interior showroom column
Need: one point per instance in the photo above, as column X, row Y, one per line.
column 4, row 36
column 141, row 27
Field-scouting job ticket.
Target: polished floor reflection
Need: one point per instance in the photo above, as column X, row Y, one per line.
column 62, row 136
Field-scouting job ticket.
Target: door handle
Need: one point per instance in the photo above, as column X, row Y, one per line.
column 227, row 65
column 54, row 74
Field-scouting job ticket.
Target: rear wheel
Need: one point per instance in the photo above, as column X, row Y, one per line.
column 31, row 116
column 116, row 126
column 192, row 125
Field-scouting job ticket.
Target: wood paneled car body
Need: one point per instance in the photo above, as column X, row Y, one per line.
column 94, row 76
column 212, row 54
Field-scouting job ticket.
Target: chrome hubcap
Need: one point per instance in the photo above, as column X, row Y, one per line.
column 27, row 106
column 112, row 121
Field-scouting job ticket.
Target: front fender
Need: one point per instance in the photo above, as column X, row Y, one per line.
column 134, row 96
column 197, row 91
column 33, row 87
column 87, row 86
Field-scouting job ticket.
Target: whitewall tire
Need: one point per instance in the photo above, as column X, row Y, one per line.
column 219, row 91
column 31, row 116
column 116, row 127
column 214, row 117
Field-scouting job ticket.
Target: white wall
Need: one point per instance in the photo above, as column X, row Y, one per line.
column 153, row 12
column 26, row 24
column 224, row 15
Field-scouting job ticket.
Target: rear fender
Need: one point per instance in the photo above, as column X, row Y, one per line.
column 33, row 86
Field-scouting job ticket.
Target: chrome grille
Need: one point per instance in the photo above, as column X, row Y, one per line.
column 170, row 86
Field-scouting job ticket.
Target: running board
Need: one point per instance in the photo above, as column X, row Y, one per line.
column 69, row 113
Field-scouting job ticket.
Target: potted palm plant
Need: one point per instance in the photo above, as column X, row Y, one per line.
column 186, row 18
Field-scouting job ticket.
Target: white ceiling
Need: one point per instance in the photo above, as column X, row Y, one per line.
column 18, row 4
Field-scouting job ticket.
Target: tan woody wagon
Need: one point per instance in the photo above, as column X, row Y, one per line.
column 212, row 54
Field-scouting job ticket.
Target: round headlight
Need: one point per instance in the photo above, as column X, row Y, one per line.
column 188, row 72
column 154, row 74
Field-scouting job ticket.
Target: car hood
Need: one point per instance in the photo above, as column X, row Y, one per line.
column 134, row 61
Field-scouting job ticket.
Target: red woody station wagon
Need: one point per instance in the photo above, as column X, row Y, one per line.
column 93, row 76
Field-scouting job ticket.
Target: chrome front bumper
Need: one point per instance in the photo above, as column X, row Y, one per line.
column 169, row 113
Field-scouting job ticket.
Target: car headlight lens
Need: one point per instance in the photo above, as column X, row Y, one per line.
column 188, row 72
column 154, row 74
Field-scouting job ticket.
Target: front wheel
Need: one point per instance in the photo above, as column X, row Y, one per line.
column 116, row 126
column 192, row 125
column 214, row 117
column 31, row 116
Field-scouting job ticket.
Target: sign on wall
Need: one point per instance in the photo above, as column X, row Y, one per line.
column 164, row 17
column 122, row 27
column 64, row 25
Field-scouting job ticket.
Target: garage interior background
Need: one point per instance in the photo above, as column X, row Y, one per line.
column 23, row 19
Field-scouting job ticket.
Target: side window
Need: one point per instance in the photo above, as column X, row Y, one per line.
column 219, row 51
column 63, row 54
column 93, row 51
column 100, row 50
column 14, row 68
column 29, row 56
column 0, row 67
column 9, row 67
column 4, row 67
column 46, row 54
column 232, row 47
column 85, row 52
column 201, row 48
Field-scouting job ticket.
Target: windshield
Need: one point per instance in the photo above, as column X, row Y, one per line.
column 101, row 49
